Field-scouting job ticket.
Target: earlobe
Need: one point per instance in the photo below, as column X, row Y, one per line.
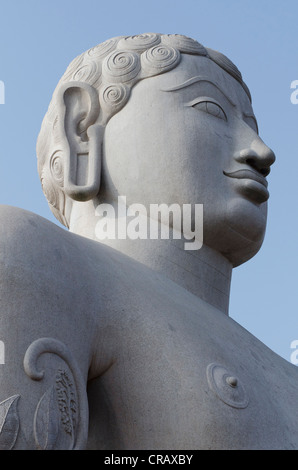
column 83, row 169
column 83, row 137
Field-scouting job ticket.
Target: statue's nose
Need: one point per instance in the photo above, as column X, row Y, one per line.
column 258, row 155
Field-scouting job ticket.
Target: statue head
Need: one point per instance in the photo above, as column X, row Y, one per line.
column 160, row 119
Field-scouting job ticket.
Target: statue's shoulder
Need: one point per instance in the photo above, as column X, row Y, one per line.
column 39, row 250
column 13, row 217
column 41, row 263
column 33, row 244
column 23, row 233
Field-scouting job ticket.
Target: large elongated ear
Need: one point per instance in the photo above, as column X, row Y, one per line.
column 83, row 138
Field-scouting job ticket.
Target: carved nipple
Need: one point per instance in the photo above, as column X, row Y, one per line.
column 232, row 381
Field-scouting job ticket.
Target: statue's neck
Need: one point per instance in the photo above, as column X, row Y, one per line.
column 204, row 272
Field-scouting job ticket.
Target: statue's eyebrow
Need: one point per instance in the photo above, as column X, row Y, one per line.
column 197, row 79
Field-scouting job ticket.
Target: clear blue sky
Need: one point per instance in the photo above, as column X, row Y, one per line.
column 39, row 38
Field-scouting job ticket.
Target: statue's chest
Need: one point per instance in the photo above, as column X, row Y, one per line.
column 213, row 386
column 185, row 378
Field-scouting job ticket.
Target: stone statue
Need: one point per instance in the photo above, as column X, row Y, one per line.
column 124, row 342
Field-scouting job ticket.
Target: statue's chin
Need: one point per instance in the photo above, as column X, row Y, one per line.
column 240, row 232
column 243, row 250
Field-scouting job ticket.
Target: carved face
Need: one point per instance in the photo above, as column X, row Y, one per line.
column 189, row 136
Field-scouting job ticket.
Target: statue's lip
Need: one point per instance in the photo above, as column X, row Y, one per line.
column 247, row 174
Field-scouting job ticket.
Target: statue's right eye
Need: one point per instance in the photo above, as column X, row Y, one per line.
column 210, row 107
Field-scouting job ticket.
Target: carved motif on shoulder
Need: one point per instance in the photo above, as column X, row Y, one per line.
column 61, row 416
